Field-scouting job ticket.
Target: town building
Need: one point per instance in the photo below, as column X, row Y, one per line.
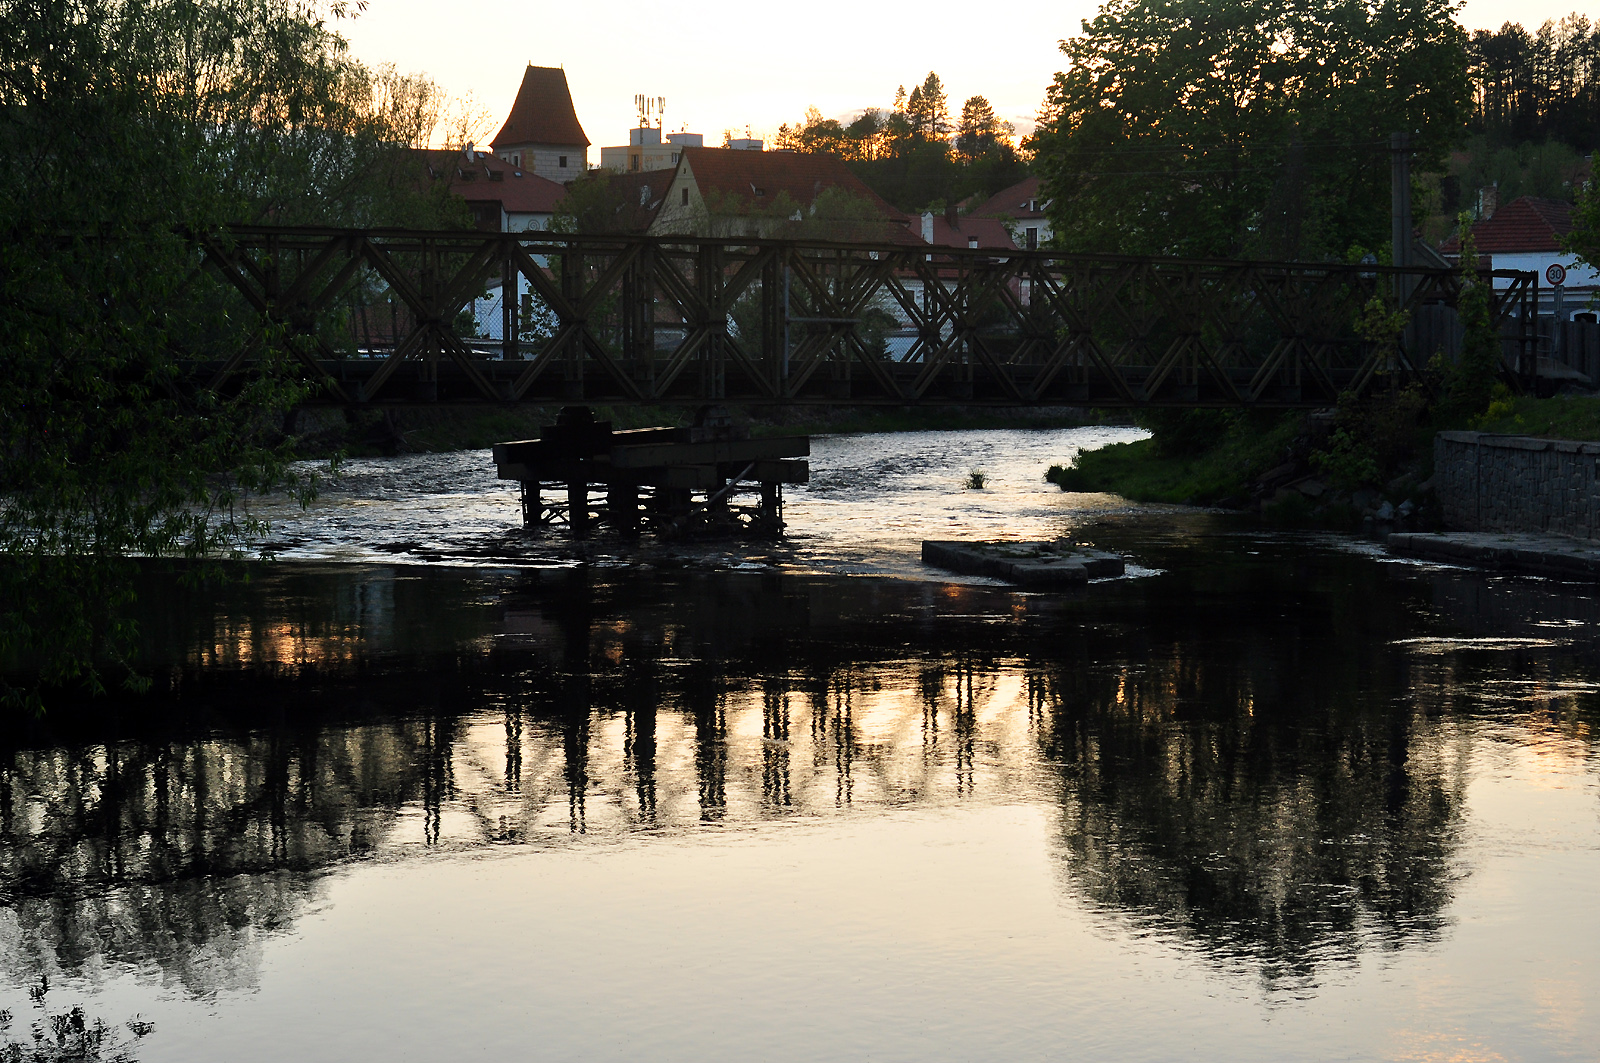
column 542, row 134
column 1022, row 209
column 735, row 192
column 645, row 151
column 502, row 196
column 951, row 229
column 1526, row 234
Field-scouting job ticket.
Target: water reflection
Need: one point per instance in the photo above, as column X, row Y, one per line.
column 1262, row 755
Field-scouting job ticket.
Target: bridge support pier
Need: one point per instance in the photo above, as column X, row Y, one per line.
column 622, row 507
column 578, row 507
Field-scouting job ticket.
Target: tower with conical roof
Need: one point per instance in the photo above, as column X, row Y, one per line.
column 542, row 133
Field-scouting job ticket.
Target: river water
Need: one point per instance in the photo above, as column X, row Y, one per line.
column 433, row 788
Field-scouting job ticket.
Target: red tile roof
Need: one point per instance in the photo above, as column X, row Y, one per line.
column 1525, row 224
column 803, row 176
column 518, row 191
column 542, row 113
column 989, row 232
column 637, row 196
column 1013, row 202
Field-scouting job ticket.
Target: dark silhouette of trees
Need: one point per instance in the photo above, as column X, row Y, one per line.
column 1537, row 86
column 1225, row 129
column 911, row 154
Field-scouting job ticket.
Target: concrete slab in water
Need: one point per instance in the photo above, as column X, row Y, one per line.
column 1034, row 565
column 1544, row 555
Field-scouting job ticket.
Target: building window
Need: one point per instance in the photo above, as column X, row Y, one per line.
column 1033, row 239
column 561, row 161
column 685, row 197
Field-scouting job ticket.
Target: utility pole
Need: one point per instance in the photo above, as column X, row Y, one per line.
column 1400, row 209
column 1400, row 196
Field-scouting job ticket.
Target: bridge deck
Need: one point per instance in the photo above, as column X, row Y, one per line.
column 401, row 318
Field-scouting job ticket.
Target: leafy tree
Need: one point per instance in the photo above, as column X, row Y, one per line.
column 1470, row 382
column 1245, row 127
column 1584, row 240
column 126, row 127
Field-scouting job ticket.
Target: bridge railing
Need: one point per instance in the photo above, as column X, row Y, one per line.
column 386, row 316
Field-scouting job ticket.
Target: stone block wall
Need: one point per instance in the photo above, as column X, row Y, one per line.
column 1517, row 484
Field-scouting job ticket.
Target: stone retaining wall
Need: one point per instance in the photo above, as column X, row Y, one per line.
column 1517, row 484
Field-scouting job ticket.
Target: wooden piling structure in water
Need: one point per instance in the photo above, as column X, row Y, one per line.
column 675, row 481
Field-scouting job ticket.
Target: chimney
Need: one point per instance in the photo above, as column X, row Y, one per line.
column 1488, row 201
column 927, row 227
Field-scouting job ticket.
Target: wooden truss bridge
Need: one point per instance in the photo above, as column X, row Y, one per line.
column 399, row 318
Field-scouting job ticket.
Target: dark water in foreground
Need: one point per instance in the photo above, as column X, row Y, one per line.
column 1285, row 799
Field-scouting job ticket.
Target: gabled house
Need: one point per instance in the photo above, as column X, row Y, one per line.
column 1022, row 210
column 503, row 197
column 1526, row 234
column 732, row 192
column 542, row 134
column 951, row 229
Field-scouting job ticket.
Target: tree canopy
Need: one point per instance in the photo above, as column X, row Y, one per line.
column 126, row 128
column 907, row 154
column 1538, row 86
column 1245, row 127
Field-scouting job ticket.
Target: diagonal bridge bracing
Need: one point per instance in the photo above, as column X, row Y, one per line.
column 394, row 317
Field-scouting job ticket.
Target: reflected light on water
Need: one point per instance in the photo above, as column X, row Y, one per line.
column 1274, row 799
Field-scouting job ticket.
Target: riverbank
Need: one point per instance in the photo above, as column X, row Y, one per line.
column 1574, row 417
column 1331, row 468
column 1189, row 473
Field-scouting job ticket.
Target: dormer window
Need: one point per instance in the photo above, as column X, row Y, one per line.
column 758, row 191
column 497, row 175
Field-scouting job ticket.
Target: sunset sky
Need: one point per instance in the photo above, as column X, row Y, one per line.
column 724, row 65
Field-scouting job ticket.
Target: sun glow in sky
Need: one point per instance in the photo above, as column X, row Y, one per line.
column 724, row 65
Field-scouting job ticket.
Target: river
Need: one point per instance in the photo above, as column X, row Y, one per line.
column 433, row 787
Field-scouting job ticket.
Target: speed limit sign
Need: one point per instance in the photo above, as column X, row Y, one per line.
column 1556, row 274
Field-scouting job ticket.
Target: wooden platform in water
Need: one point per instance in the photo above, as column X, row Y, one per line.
column 674, row 465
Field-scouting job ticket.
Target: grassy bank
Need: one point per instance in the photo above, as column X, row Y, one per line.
column 1562, row 417
column 1221, row 474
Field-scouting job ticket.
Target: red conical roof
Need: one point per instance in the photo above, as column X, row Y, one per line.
column 543, row 112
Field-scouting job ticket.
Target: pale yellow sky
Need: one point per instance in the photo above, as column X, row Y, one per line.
column 724, row 65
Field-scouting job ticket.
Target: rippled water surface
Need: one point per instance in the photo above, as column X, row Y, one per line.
column 1274, row 797
column 871, row 501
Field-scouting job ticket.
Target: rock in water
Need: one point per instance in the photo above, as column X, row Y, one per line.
column 1030, row 565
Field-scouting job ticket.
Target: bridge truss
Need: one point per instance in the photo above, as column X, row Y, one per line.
column 395, row 317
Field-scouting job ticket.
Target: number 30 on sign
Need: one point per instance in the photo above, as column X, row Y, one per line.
column 1556, row 274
